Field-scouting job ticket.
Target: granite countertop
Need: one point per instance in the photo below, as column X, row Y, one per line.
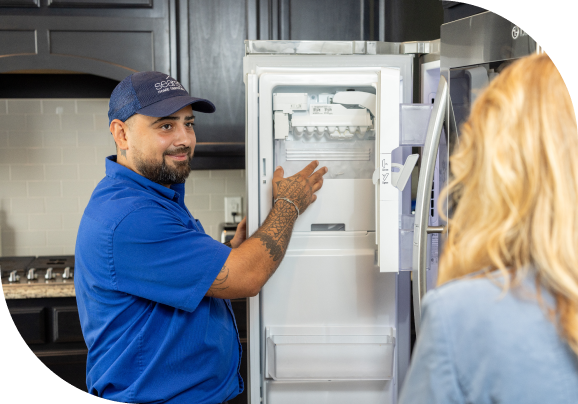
column 64, row 288
column 33, row 279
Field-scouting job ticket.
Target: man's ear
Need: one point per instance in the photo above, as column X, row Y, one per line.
column 119, row 130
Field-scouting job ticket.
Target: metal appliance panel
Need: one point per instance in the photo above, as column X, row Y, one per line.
column 483, row 38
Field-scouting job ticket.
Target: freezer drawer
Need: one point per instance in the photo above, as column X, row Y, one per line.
column 329, row 353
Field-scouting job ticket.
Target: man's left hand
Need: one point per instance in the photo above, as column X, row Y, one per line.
column 240, row 234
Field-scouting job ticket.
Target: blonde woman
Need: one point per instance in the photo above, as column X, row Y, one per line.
column 502, row 327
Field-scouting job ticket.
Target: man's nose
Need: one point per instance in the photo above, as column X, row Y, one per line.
column 183, row 136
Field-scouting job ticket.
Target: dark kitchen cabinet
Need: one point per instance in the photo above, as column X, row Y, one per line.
column 51, row 328
column 108, row 38
column 199, row 42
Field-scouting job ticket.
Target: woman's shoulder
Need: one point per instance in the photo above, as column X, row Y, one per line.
column 492, row 334
column 485, row 299
column 467, row 290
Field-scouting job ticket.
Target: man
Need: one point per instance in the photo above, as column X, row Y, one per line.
column 152, row 288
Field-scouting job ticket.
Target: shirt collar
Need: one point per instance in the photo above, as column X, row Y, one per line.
column 120, row 172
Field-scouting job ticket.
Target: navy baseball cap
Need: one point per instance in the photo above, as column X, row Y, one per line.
column 152, row 94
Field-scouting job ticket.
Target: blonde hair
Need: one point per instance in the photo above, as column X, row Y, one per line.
column 515, row 187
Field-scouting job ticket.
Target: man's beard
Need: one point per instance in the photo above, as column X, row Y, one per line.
column 160, row 172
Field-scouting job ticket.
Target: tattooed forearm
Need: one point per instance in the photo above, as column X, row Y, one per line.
column 276, row 231
column 219, row 281
column 228, row 244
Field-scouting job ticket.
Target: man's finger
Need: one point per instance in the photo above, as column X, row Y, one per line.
column 317, row 175
column 308, row 170
column 278, row 174
column 317, row 186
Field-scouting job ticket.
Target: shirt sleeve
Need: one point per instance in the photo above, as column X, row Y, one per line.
column 156, row 257
column 431, row 378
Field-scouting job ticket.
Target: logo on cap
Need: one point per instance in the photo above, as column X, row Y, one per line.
column 167, row 85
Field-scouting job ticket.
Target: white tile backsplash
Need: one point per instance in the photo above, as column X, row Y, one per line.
column 52, row 156
column 26, row 172
column 4, row 173
column 58, row 107
column 3, row 137
column 24, row 107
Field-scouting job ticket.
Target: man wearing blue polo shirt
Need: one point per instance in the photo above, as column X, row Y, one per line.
column 152, row 288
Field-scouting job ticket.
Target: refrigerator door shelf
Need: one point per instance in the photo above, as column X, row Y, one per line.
column 413, row 121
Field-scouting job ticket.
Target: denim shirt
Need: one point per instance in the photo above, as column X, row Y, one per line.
column 479, row 345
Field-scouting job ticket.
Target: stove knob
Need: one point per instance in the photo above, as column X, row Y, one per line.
column 14, row 277
column 32, row 274
column 49, row 275
column 67, row 273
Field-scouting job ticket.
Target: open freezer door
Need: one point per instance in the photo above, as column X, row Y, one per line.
column 387, row 139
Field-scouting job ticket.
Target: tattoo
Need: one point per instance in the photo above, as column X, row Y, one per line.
column 297, row 189
column 219, row 281
column 276, row 231
column 123, row 153
column 228, row 244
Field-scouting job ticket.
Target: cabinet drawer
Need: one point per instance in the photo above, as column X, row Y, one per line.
column 30, row 322
column 66, row 325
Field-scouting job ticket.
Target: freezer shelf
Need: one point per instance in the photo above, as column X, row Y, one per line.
column 330, row 357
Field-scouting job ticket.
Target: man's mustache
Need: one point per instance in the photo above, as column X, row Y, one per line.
column 181, row 150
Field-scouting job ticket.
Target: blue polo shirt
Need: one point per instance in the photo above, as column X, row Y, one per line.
column 143, row 267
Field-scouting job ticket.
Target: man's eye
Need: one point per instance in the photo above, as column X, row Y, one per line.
column 190, row 124
column 166, row 126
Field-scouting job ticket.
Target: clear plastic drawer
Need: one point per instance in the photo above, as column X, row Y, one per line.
column 330, row 357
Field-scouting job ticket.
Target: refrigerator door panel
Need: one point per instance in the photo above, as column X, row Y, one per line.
column 387, row 137
column 253, row 385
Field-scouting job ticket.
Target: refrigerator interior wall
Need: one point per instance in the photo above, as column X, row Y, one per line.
column 333, row 246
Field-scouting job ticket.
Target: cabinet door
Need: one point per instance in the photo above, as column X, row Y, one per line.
column 102, row 37
column 66, row 325
column 212, row 50
column 30, row 323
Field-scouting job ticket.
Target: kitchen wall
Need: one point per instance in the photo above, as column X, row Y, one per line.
column 52, row 156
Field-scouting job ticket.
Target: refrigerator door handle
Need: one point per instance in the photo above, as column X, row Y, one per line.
column 438, row 120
